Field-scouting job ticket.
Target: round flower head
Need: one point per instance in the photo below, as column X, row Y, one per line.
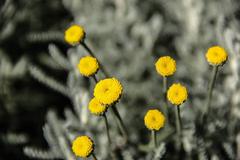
column 96, row 107
column 82, row 146
column 154, row 119
column 177, row 94
column 108, row 91
column 74, row 34
column 88, row 66
column 216, row 55
column 165, row 66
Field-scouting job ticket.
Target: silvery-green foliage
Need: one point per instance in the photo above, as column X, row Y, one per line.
column 127, row 37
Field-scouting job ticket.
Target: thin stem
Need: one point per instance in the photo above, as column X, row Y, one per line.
column 178, row 125
column 120, row 122
column 94, row 156
column 210, row 90
column 154, row 138
column 85, row 46
column 107, row 128
column 95, row 78
column 165, row 96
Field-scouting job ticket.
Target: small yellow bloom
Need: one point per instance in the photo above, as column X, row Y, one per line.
column 88, row 66
column 165, row 66
column 83, row 146
column 108, row 91
column 216, row 55
column 154, row 119
column 177, row 94
column 96, row 107
column 74, row 34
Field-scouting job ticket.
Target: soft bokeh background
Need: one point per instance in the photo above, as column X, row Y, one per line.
column 41, row 91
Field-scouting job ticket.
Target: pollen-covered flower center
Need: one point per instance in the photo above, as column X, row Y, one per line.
column 105, row 90
column 164, row 65
column 215, row 54
column 153, row 119
column 72, row 33
column 176, row 93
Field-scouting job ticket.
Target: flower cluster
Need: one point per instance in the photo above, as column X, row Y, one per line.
column 109, row 90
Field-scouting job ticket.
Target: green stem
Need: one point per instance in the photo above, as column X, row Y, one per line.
column 154, row 138
column 107, row 128
column 210, row 90
column 94, row 156
column 85, row 46
column 178, row 126
column 120, row 122
column 95, row 78
column 165, row 96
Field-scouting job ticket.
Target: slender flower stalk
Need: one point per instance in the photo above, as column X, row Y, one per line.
column 210, row 90
column 120, row 123
column 95, row 78
column 107, row 129
column 154, row 138
column 85, row 46
column 177, row 94
column 178, row 126
column 108, row 91
column 165, row 96
column 94, row 156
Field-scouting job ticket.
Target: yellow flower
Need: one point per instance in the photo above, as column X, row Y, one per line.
column 96, row 107
column 83, row 146
column 177, row 94
column 88, row 66
column 74, row 34
column 216, row 55
column 108, row 91
column 154, row 119
column 165, row 66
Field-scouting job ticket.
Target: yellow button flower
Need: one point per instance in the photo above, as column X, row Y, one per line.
column 165, row 66
column 74, row 34
column 83, row 146
column 96, row 107
column 88, row 66
column 177, row 94
column 216, row 55
column 154, row 119
column 108, row 91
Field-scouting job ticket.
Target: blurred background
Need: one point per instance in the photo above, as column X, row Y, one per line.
column 42, row 94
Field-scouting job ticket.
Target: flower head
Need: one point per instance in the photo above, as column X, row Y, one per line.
column 74, row 34
column 88, row 66
column 108, row 91
column 165, row 66
column 154, row 119
column 96, row 107
column 177, row 94
column 82, row 146
column 216, row 55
